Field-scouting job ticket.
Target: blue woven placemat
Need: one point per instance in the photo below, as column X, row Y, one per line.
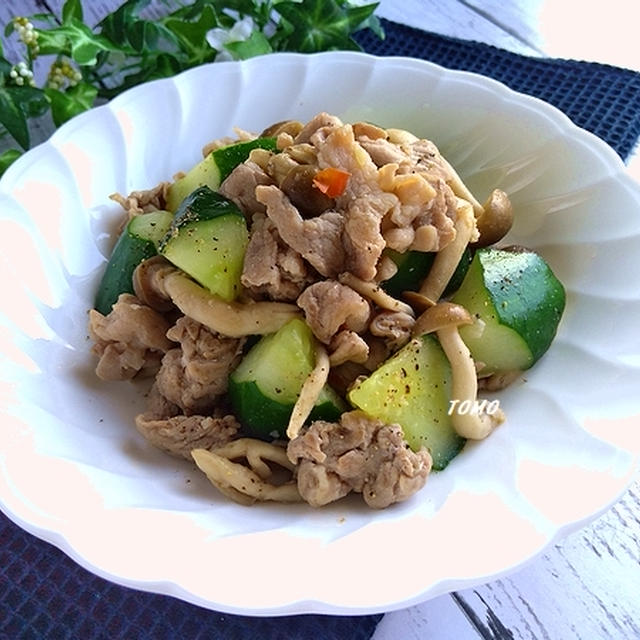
column 45, row 595
column 597, row 97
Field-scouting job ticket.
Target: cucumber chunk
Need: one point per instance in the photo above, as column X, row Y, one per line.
column 413, row 268
column 264, row 387
column 519, row 300
column 212, row 170
column 207, row 239
column 457, row 277
column 137, row 242
column 412, row 389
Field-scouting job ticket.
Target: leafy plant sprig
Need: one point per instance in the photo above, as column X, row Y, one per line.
column 126, row 48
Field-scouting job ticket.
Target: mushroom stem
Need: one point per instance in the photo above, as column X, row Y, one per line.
column 231, row 319
column 444, row 319
column 309, row 393
column 374, row 292
column 496, row 221
column 446, row 260
column 244, row 484
column 471, row 424
column 460, row 188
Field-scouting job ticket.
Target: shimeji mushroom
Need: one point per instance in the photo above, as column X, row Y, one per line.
column 252, row 482
column 233, row 319
column 460, row 188
column 309, row 393
column 447, row 259
column 492, row 224
column 444, row 319
column 496, row 219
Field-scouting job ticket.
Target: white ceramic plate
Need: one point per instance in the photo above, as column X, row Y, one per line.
column 74, row 471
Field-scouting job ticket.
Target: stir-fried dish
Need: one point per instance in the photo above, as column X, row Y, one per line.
column 319, row 306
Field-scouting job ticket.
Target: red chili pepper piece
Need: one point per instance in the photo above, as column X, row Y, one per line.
column 331, row 181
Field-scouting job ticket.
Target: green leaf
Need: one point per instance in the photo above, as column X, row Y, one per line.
column 192, row 35
column 8, row 158
column 69, row 103
column 85, row 45
column 141, row 35
column 256, row 44
column 115, row 25
column 75, row 39
column 13, row 118
column 146, row 36
column 48, row 18
column 161, row 66
column 260, row 11
column 373, row 23
column 5, row 68
column 320, row 25
column 53, row 41
column 190, row 11
column 31, row 100
column 71, row 9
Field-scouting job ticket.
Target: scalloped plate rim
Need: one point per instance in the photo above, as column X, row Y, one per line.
column 554, row 116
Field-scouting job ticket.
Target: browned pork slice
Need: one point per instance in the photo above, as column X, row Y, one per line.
column 348, row 238
column 318, row 240
column 164, row 427
column 271, row 267
column 438, row 216
column 425, row 156
column 144, row 201
column 383, row 151
column 240, row 187
column 363, row 202
column 347, row 346
column 394, row 327
column 129, row 341
column 330, row 306
column 318, row 126
column 415, row 171
column 357, row 454
column 195, row 374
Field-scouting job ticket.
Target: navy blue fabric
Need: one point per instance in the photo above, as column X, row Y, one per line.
column 45, row 595
column 597, row 97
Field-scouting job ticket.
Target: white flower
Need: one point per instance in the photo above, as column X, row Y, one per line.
column 218, row 38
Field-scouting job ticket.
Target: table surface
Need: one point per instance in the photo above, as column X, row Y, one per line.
column 588, row 585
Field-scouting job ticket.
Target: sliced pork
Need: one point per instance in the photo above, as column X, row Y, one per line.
column 357, row 454
column 129, row 341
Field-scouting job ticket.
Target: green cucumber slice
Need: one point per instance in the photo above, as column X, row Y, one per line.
column 137, row 242
column 264, row 387
column 212, row 170
column 413, row 268
column 458, row 275
column 412, row 389
column 207, row 239
column 519, row 300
